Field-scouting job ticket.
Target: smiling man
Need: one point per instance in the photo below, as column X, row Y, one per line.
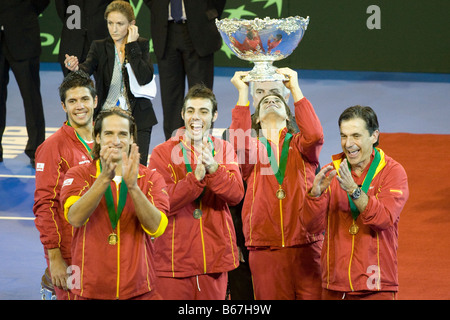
column 66, row 148
column 203, row 179
column 115, row 205
column 357, row 201
column 279, row 166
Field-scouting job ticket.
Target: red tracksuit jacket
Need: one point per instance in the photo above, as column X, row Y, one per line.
column 366, row 261
column 120, row 271
column 268, row 221
column 54, row 157
column 193, row 246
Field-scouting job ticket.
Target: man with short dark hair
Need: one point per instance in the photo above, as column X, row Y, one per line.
column 357, row 201
column 203, row 179
column 68, row 147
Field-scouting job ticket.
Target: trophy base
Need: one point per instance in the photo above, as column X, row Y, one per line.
column 264, row 71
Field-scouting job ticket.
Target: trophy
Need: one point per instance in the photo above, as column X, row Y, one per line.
column 263, row 41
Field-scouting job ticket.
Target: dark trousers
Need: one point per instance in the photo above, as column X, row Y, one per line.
column 180, row 61
column 144, row 137
column 240, row 282
column 26, row 73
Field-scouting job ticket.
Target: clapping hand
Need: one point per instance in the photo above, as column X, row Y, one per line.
column 130, row 166
column 208, row 157
column 345, row 177
column 205, row 160
column 322, row 180
column 107, row 161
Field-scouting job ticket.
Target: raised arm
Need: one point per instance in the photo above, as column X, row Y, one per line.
column 310, row 140
column 138, row 55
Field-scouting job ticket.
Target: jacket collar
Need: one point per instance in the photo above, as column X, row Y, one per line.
column 338, row 158
column 98, row 171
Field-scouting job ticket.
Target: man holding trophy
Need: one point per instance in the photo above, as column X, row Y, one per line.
column 278, row 168
column 277, row 162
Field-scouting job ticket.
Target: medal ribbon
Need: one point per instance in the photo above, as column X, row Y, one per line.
column 280, row 170
column 81, row 139
column 367, row 181
column 114, row 215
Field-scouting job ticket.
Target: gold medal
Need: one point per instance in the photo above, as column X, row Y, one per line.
column 353, row 229
column 197, row 213
column 281, row 194
column 112, row 239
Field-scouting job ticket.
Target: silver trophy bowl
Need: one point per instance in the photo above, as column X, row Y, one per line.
column 263, row 41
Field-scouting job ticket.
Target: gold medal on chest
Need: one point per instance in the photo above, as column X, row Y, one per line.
column 197, row 213
column 113, row 239
column 353, row 229
column 281, row 194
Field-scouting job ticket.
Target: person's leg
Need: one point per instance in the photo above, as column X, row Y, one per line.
column 201, row 287
column 4, row 80
column 199, row 69
column 143, row 143
column 240, row 280
column 373, row 295
column 271, row 275
column 211, row 286
column 26, row 73
column 175, row 288
column 306, row 271
column 151, row 295
column 172, row 82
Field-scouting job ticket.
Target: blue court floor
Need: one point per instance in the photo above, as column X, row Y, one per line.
column 404, row 102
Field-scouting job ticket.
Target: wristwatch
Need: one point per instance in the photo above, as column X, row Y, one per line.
column 356, row 193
